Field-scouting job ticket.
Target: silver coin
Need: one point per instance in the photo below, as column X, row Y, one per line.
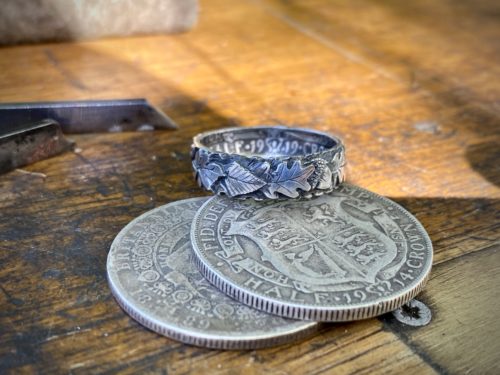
column 154, row 279
column 348, row 255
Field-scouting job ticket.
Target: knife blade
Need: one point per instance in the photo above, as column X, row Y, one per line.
column 87, row 116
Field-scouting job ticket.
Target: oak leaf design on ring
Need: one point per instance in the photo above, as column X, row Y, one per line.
column 288, row 180
column 207, row 172
column 240, row 181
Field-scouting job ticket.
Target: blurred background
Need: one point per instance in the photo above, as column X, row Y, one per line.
column 31, row 21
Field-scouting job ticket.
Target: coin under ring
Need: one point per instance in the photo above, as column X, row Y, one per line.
column 153, row 278
column 268, row 162
column 348, row 255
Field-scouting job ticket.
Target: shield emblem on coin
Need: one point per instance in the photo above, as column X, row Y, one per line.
column 325, row 246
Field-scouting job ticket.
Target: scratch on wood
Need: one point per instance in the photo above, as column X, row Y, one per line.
column 70, row 333
column 34, row 174
column 70, row 78
column 349, row 55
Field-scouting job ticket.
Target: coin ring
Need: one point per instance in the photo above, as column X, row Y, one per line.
column 233, row 331
column 268, row 162
column 221, row 271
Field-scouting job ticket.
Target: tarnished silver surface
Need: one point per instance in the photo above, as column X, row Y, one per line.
column 153, row 277
column 268, row 162
column 344, row 256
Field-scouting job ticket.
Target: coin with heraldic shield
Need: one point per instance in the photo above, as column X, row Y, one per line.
column 153, row 277
column 348, row 255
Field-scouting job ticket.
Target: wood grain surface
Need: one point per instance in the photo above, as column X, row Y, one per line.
column 411, row 87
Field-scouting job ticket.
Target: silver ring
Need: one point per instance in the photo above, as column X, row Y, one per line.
column 268, row 162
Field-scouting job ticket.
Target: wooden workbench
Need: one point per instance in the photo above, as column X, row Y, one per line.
column 411, row 87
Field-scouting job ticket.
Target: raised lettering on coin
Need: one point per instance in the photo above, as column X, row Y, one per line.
column 153, row 277
column 344, row 256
